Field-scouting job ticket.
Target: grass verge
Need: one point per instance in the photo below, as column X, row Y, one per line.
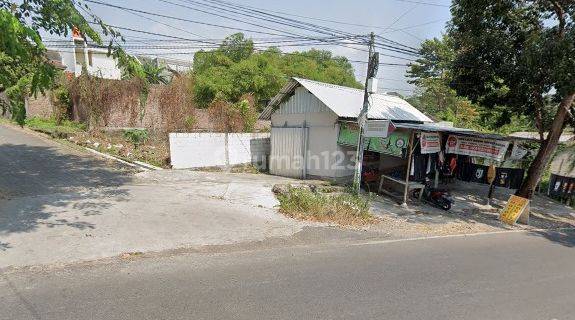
column 342, row 208
column 51, row 127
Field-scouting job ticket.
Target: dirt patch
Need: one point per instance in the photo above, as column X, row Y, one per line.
column 470, row 214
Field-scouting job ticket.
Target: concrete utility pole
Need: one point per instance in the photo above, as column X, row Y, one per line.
column 372, row 66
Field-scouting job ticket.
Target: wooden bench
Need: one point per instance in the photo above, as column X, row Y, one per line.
column 411, row 186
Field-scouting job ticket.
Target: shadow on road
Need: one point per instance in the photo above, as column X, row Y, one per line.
column 562, row 237
column 39, row 182
column 39, row 170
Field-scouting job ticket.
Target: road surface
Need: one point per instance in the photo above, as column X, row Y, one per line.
column 501, row 276
column 60, row 204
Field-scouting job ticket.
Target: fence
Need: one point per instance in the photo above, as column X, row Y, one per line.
column 197, row 150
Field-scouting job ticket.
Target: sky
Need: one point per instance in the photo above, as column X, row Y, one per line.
column 405, row 21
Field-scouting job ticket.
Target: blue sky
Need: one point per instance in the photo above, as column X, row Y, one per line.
column 417, row 19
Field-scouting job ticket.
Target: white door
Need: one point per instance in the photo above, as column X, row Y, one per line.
column 288, row 149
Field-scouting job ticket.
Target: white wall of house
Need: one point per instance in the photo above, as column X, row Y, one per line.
column 324, row 157
column 100, row 65
column 198, row 150
column 97, row 61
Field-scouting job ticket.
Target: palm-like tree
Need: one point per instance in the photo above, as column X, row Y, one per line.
column 155, row 74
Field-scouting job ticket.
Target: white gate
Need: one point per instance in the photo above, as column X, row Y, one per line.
column 288, row 152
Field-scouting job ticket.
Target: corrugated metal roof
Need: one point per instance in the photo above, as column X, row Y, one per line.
column 347, row 102
column 434, row 127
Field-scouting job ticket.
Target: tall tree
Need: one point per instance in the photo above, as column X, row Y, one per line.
column 235, row 69
column 432, row 75
column 24, row 67
column 517, row 53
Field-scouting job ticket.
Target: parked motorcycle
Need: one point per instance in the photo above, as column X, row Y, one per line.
column 438, row 197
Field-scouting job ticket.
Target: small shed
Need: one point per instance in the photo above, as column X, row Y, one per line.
column 307, row 117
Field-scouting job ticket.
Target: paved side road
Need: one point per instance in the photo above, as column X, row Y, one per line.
column 505, row 276
column 33, row 165
column 60, row 205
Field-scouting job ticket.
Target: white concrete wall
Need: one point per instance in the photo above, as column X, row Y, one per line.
column 197, row 150
column 325, row 158
column 103, row 66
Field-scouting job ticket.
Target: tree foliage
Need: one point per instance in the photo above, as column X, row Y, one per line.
column 155, row 74
column 236, row 68
column 432, row 75
column 513, row 55
column 24, row 67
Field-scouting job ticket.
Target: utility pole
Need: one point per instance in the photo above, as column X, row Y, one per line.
column 372, row 66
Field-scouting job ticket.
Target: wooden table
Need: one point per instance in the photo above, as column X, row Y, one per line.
column 411, row 186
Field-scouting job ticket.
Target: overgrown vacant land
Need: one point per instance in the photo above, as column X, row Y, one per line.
column 324, row 204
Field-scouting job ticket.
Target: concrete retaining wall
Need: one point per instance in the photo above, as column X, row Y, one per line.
column 197, row 150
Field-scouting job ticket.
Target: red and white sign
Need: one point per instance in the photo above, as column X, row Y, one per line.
column 477, row 147
column 430, row 142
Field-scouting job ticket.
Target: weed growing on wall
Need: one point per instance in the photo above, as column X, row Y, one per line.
column 177, row 107
column 233, row 117
column 61, row 100
column 94, row 97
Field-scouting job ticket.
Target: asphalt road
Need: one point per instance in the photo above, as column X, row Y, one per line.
column 33, row 165
column 503, row 276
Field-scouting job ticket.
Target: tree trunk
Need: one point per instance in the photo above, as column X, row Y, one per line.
column 547, row 149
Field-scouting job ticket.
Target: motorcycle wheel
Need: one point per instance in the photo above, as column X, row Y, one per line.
column 445, row 205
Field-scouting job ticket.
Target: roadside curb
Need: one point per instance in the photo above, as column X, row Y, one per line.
column 135, row 164
column 47, row 135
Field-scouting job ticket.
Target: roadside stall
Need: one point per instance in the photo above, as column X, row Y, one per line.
column 416, row 155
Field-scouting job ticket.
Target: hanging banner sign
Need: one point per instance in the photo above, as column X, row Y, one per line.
column 395, row 143
column 518, row 152
column 517, row 208
column 429, row 142
column 477, row 147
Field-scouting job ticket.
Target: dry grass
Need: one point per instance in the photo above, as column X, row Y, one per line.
column 345, row 209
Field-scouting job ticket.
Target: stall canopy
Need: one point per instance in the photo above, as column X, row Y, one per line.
column 431, row 127
column 402, row 143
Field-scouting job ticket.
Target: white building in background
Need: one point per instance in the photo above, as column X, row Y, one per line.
column 77, row 53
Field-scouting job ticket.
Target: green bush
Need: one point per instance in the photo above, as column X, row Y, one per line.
column 136, row 136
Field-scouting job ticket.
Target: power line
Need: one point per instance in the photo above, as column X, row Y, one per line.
column 344, row 22
column 180, row 19
column 182, row 38
column 229, row 18
column 263, row 16
column 204, row 23
column 290, row 22
column 400, row 17
column 425, row 3
column 238, row 9
column 259, row 14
